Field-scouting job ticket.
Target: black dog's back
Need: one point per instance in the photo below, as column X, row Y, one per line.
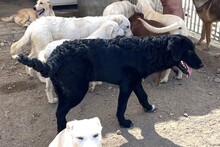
column 104, row 57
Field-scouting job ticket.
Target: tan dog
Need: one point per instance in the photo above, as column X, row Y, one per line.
column 208, row 11
column 80, row 133
column 25, row 16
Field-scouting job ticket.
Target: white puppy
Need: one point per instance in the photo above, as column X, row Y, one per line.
column 80, row 133
column 109, row 29
column 47, row 29
column 121, row 7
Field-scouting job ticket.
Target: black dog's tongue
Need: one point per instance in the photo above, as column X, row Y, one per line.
column 189, row 70
column 185, row 68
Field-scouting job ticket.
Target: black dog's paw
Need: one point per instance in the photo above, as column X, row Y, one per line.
column 19, row 57
column 15, row 57
column 151, row 109
column 126, row 124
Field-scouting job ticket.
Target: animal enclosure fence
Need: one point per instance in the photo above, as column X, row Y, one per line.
column 193, row 22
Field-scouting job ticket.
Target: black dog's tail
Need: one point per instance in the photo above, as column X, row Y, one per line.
column 34, row 63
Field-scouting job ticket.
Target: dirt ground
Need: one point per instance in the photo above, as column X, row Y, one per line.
column 188, row 110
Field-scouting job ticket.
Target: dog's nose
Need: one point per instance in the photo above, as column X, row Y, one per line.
column 34, row 8
column 201, row 65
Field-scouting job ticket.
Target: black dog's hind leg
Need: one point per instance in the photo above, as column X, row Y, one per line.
column 69, row 100
column 143, row 98
column 122, row 105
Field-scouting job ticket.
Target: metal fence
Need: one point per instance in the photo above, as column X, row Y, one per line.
column 193, row 22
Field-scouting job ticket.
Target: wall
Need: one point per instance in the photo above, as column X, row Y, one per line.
column 92, row 7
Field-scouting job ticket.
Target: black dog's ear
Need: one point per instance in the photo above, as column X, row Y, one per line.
column 174, row 46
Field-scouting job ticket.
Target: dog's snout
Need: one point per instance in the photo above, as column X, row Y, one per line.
column 201, row 65
column 34, row 8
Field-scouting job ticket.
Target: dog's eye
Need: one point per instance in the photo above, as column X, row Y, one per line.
column 96, row 135
column 128, row 27
column 80, row 138
column 41, row 3
column 190, row 52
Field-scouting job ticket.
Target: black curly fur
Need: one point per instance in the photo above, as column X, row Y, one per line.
column 36, row 64
column 120, row 61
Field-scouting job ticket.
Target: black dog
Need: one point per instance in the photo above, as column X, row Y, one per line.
column 121, row 61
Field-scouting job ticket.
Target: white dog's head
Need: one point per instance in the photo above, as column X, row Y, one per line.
column 42, row 6
column 85, row 133
column 108, row 30
column 123, row 22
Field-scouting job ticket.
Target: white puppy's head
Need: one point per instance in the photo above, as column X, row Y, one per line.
column 123, row 22
column 108, row 30
column 85, row 133
column 42, row 6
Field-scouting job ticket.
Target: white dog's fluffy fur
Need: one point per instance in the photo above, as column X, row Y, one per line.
column 174, row 24
column 121, row 7
column 47, row 29
column 109, row 30
column 80, row 133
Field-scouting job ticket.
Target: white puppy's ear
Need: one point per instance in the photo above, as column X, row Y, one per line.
column 50, row 5
column 97, row 120
column 69, row 126
column 110, row 31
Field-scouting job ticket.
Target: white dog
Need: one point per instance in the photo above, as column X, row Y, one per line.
column 24, row 17
column 174, row 25
column 121, row 7
column 109, row 30
column 80, row 133
column 47, row 29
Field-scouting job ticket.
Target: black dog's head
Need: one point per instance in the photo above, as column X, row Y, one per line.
column 182, row 50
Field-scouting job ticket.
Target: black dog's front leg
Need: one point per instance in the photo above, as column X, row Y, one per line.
column 122, row 105
column 143, row 98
